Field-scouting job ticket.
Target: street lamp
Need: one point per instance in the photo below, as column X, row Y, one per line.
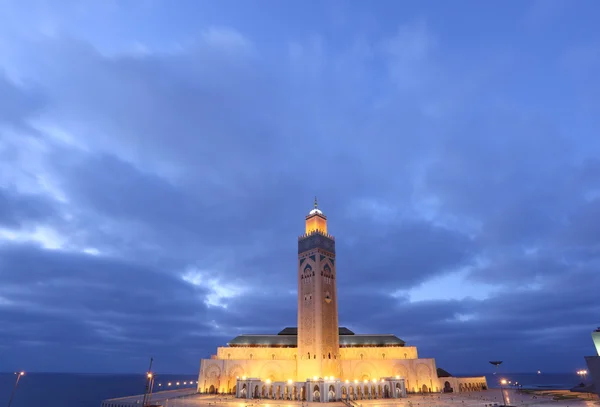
column 583, row 374
column 19, row 374
column 502, row 383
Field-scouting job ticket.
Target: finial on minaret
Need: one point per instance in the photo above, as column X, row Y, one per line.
column 316, row 206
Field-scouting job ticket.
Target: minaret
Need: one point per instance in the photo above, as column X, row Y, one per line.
column 318, row 335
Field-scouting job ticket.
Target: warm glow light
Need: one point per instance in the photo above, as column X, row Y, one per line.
column 315, row 377
column 159, row 384
column 22, row 374
column 347, row 381
column 503, row 381
column 381, row 380
column 177, row 383
column 243, row 378
column 290, row 381
column 149, row 375
column 397, row 377
column 316, row 222
column 355, row 381
column 168, row 384
column 366, row 380
column 268, row 381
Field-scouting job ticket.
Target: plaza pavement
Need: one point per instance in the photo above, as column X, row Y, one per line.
column 487, row 398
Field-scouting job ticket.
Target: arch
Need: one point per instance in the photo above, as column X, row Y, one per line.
column 386, row 392
column 271, row 370
column 316, row 393
column 447, row 387
column 211, row 389
column 213, row 371
column 331, row 393
column 256, row 392
column 400, row 370
column 364, row 370
column 236, row 371
column 234, row 389
column 263, row 391
column 424, row 389
column 423, row 370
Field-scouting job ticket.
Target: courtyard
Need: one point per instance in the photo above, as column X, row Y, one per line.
column 488, row 398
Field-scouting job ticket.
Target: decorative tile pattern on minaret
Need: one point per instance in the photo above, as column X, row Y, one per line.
column 318, row 340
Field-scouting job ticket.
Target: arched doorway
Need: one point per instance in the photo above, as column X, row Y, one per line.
column 234, row 389
column 316, row 394
column 424, row 389
column 211, row 389
column 398, row 390
column 303, row 393
column 447, row 387
column 386, row 391
column 243, row 392
column 331, row 393
column 344, row 393
column 256, row 393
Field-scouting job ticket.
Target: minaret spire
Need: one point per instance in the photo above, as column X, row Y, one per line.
column 316, row 205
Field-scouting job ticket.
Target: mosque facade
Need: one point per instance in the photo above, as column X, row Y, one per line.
column 318, row 360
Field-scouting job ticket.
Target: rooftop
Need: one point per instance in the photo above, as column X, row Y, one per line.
column 288, row 338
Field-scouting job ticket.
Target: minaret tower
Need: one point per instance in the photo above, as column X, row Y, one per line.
column 318, row 334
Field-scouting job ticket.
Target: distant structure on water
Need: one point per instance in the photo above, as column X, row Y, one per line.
column 593, row 362
column 319, row 361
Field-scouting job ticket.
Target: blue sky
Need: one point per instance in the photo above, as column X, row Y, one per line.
column 157, row 160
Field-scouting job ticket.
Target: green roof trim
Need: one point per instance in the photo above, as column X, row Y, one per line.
column 289, row 340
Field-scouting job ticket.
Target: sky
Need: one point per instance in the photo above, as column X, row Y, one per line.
column 157, row 160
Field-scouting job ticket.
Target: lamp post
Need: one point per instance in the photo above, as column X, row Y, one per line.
column 583, row 374
column 19, row 374
column 502, row 383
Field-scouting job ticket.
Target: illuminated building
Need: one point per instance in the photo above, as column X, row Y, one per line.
column 320, row 361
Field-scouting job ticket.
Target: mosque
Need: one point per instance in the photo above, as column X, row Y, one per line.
column 318, row 360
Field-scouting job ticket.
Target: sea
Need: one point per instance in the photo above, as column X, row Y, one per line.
column 88, row 390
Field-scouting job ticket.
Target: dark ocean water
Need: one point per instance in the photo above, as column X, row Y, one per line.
column 88, row 390
column 79, row 390
column 535, row 381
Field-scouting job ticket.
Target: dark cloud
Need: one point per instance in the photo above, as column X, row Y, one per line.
column 17, row 209
column 63, row 301
column 17, row 103
column 172, row 186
